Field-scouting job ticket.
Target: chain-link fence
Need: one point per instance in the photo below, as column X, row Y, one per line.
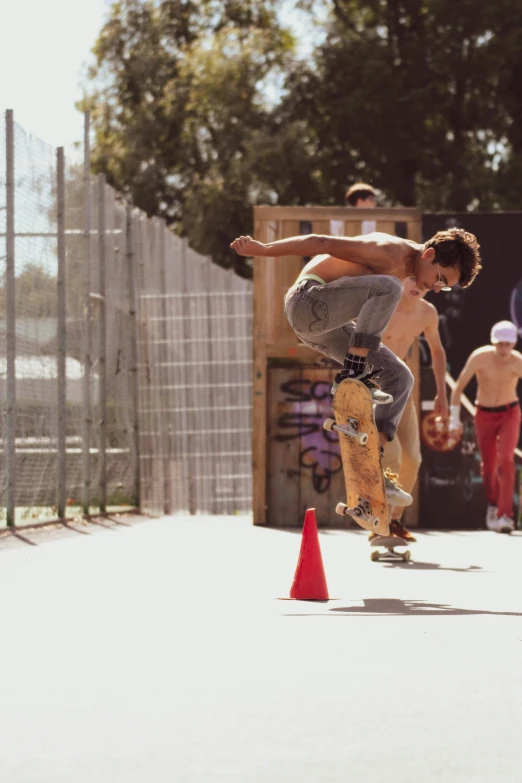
column 125, row 357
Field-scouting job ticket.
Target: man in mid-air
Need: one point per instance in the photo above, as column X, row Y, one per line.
column 361, row 278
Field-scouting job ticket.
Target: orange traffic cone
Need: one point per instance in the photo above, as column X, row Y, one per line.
column 309, row 580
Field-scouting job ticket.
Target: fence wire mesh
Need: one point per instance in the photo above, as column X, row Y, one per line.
column 195, row 387
column 158, row 354
column 3, row 322
column 75, row 318
column 36, row 326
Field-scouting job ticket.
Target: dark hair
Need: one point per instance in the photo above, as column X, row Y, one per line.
column 458, row 248
column 359, row 190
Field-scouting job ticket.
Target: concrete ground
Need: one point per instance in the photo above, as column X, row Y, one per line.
column 138, row 650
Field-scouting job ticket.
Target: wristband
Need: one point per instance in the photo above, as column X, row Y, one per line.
column 454, row 421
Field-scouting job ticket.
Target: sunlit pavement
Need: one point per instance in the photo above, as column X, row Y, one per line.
column 157, row 651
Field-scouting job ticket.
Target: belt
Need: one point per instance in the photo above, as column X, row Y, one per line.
column 310, row 276
column 498, row 408
column 302, row 282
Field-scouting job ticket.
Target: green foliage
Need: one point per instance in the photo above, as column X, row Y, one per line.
column 36, row 295
column 413, row 97
column 202, row 109
column 176, row 103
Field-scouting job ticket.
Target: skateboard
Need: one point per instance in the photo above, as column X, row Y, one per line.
column 389, row 543
column 360, row 454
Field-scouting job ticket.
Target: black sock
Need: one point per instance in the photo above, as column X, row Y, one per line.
column 353, row 365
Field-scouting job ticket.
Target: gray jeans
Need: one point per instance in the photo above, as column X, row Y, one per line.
column 322, row 316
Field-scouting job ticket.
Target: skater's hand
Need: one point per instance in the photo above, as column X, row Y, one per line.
column 455, row 424
column 246, row 246
column 455, row 428
column 441, row 408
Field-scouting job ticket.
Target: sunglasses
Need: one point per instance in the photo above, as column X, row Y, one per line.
column 441, row 284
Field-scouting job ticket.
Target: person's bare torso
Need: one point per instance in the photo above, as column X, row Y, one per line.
column 393, row 256
column 497, row 379
column 407, row 323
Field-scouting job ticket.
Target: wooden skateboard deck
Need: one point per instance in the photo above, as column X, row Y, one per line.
column 389, row 543
column 365, row 491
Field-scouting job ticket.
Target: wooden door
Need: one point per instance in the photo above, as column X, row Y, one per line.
column 304, row 461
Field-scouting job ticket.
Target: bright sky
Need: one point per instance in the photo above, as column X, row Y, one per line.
column 44, row 49
column 44, row 45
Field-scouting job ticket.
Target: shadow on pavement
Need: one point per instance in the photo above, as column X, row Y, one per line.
column 20, row 537
column 100, row 521
column 116, row 521
column 45, row 532
column 70, row 526
column 396, row 606
column 417, row 565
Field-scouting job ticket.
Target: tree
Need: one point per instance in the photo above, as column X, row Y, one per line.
column 416, row 96
column 177, row 103
column 36, row 295
column 419, row 97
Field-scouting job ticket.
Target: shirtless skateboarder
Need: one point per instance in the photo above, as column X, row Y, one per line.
column 413, row 317
column 498, row 368
column 361, row 278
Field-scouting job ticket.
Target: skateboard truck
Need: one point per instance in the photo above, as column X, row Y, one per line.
column 361, row 511
column 389, row 543
column 351, row 429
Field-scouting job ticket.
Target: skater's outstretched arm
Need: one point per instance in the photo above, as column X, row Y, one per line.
column 360, row 250
column 438, row 359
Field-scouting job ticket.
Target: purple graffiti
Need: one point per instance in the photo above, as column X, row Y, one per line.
column 310, row 405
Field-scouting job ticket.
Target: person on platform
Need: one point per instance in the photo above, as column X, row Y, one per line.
column 497, row 368
column 361, row 195
column 402, row 455
column 361, row 278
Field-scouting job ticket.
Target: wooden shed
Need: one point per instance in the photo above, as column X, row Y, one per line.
column 296, row 463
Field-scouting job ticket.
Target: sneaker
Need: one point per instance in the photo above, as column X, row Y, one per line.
column 505, row 524
column 491, row 517
column 395, row 495
column 398, row 529
column 378, row 396
column 492, row 524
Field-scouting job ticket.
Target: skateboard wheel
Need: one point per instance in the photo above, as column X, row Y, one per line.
column 407, row 556
column 362, row 438
column 374, row 556
column 328, row 424
column 341, row 509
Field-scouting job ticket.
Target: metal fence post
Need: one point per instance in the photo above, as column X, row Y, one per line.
column 102, row 353
column 133, row 356
column 212, row 441
column 10, row 289
column 62, row 347
column 189, row 378
column 87, row 359
column 164, row 375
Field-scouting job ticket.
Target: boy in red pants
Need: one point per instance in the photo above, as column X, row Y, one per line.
column 497, row 368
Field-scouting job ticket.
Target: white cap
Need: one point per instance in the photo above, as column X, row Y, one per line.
column 504, row 332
